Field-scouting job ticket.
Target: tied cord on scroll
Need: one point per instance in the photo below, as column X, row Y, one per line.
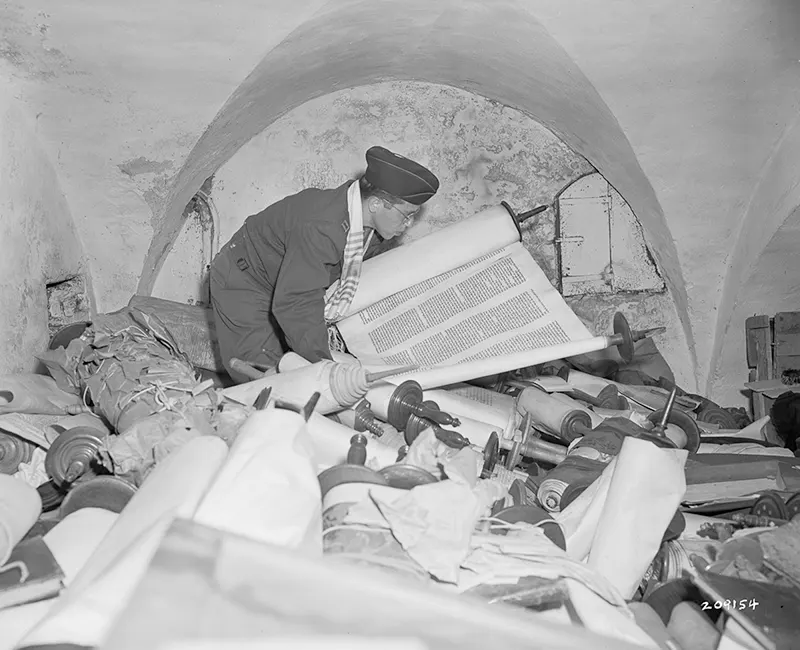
column 466, row 292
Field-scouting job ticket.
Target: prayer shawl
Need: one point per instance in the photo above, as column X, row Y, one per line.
column 339, row 295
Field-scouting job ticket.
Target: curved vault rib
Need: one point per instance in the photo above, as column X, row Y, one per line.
column 773, row 201
column 497, row 50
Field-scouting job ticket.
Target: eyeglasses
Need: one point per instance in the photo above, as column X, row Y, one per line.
column 407, row 218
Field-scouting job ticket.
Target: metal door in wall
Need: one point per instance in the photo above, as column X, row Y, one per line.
column 585, row 237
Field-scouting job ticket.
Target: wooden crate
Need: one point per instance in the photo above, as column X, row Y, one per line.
column 773, row 351
column 786, row 343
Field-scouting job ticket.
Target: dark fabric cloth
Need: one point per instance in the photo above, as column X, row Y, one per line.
column 268, row 282
column 245, row 326
column 785, row 415
column 400, row 176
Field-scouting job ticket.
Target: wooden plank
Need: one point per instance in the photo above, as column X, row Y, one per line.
column 787, row 342
column 751, row 325
column 758, row 335
column 787, row 322
column 765, row 362
column 756, row 400
column 785, row 363
column 787, row 345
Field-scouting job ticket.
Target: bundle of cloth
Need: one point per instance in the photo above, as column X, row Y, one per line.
column 128, row 368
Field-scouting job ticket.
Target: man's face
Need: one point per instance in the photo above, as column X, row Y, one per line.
column 391, row 220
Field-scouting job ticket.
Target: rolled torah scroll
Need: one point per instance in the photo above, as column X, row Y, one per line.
column 563, row 418
column 339, row 385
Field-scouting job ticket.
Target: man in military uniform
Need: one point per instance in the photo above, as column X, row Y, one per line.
column 269, row 282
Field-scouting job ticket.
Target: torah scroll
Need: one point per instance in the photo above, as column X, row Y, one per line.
column 464, row 299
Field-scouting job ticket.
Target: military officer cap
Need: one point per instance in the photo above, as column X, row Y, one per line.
column 400, row 176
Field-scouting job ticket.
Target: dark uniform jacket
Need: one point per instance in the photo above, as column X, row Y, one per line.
column 294, row 251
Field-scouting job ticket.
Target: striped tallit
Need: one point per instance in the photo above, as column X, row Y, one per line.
column 340, row 295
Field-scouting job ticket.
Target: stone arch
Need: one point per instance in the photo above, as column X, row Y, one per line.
column 498, row 50
column 773, row 206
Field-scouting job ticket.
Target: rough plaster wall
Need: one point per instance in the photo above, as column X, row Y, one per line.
column 482, row 152
column 121, row 91
column 755, row 258
column 38, row 243
column 773, row 286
